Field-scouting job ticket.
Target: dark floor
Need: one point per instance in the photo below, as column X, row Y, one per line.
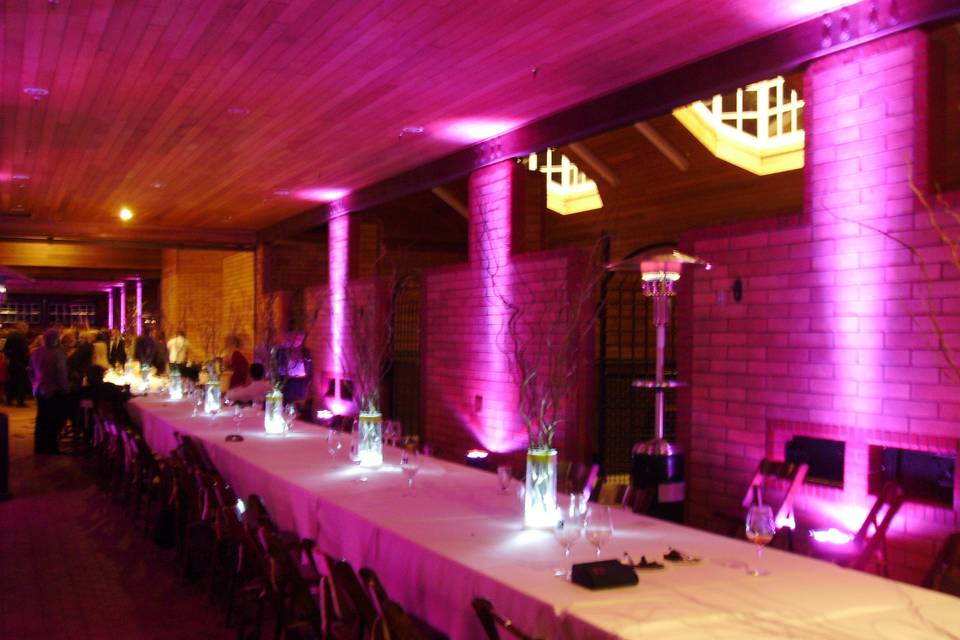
column 73, row 566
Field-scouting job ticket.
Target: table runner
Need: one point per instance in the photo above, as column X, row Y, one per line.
column 457, row 538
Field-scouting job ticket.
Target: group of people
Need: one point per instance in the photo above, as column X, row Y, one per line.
column 59, row 367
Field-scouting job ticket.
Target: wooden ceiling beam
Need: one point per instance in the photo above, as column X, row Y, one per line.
column 777, row 53
column 592, row 161
column 128, row 235
column 451, row 200
column 664, row 146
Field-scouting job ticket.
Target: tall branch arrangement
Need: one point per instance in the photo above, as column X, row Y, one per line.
column 363, row 354
column 949, row 235
column 545, row 334
column 265, row 350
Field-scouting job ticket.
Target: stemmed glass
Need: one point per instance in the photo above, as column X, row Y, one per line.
column 334, row 442
column 289, row 415
column 237, row 416
column 198, row 405
column 504, row 477
column 599, row 526
column 410, row 465
column 760, row 529
column 567, row 531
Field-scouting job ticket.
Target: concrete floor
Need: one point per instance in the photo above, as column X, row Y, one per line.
column 72, row 565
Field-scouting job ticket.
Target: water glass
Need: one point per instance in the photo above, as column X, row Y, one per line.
column 504, row 478
column 598, row 526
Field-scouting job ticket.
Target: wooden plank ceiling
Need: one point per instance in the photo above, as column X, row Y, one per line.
column 220, row 114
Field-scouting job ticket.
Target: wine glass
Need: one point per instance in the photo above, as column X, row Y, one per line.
column 760, row 529
column 410, row 465
column 504, row 477
column 198, row 405
column 567, row 531
column 237, row 416
column 599, row 526
column 289, row 415
column 334, row 443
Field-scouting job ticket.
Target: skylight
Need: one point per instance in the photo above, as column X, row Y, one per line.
column 569, row 189
column 758, row 128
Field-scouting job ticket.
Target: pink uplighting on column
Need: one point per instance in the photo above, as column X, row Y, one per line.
column 110, row 308
column 494, row 425
column 473, row 129
column 339, row 249
column 139, row 307
column 123, row 307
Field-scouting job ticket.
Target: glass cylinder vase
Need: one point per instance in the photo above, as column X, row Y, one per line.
column 540, row 495
column 211, row 395
column 273, row 422
column 370, row 439
column 176, row 385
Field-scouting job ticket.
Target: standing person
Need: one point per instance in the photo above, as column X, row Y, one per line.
column 161, row 356
column 117, row 353
column 294, row 366
column 17, row 351
column 49, row 387
column 101, row 349
column 238, row 363
column 178, row 349
column 145, row 349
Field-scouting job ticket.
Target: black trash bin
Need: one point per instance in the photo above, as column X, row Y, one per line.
column 657, row 467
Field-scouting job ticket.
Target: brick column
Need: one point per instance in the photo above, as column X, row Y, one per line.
column 831, row 338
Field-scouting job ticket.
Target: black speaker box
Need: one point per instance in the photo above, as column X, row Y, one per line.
column 604, row 574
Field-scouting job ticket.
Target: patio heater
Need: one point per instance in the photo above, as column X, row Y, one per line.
column 657, row 464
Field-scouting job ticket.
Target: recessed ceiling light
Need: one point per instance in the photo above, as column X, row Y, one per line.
column 158, row 185
column 36, row 92
column 283, row 193
column 20, row 177
column 411, row 130
column 237, row 110
column 126, row 214
column 321, row 194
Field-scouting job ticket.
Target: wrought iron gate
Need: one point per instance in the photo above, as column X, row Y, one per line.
column 405, row 373
column 627, row 351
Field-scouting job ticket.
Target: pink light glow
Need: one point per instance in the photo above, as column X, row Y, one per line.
column 339, row 406
column 110, row 308
column 123, row 308
column 832, row 536
column 320, row 194
column 495, row 427
column 339, row 243
column 139, row 308
column 473, row 129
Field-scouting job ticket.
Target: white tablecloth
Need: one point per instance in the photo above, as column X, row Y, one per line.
column 457, row 538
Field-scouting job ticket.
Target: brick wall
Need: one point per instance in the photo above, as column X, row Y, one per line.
column 830, row 336
column 470, row 391
column 238, row 298
column 207, row 294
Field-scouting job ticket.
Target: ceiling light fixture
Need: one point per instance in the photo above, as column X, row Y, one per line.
column 283, row 193
column 36, row 92
column 158, row 185
column 321, row 194
column 126, row 214
column 20, row 177
column 411, row 130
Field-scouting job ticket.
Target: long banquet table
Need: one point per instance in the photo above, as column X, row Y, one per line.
column 457, row 538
